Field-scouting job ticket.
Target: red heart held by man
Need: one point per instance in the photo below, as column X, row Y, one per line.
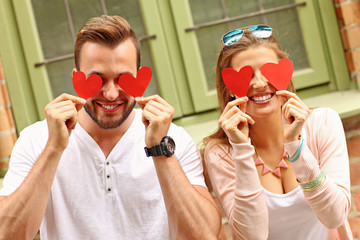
column 279, row 75
column 136, row 86
column 86, row 88
column 238, row 81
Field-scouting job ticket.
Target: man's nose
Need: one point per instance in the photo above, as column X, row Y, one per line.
column 111, row 90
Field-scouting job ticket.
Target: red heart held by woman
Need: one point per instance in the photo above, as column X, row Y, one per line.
column 135, row 86
column 279, row 75
column 238, row 82
column 86, row 88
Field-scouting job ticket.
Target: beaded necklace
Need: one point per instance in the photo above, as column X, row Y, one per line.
column 267, row 169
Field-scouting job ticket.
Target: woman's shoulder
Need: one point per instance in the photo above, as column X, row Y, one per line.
column 322, row 121
column 216, row 147
column 323, row 115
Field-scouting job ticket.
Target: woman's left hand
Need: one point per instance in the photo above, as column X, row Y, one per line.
column 294, row 112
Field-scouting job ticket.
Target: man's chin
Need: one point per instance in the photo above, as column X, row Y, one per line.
column 109, row 124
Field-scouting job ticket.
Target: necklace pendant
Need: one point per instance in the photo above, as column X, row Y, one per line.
column 266, row 170
column 258, row 162
column 283, row 164
column 277, row 172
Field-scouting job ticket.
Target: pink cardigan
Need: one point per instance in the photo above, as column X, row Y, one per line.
column 237, row 186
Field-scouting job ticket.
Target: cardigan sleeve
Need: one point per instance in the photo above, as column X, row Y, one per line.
column 237, row 186
column 326, row 150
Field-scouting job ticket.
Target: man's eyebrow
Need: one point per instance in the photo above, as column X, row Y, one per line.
column 125, row 72
column 101, row 74
column 94, row 72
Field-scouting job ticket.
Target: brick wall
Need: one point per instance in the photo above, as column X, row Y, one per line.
column 7, row 126
column 352, row 131
column 348, row 14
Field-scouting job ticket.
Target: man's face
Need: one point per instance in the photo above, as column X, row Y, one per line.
column 110, row 106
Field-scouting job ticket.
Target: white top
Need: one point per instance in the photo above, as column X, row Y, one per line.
column 94, row 197
column 286, row 220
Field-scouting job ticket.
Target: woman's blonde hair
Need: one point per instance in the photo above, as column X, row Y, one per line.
column 225, row 56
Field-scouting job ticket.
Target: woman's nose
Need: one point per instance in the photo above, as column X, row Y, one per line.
column 258, row 81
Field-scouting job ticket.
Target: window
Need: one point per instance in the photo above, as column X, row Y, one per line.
column 297, row 27
column 180, row 41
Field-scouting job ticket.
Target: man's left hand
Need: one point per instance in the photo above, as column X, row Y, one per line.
column 157, row 116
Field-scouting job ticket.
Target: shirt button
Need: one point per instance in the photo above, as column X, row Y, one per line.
column 109, row 189
column 108, row 176
column 107, row 163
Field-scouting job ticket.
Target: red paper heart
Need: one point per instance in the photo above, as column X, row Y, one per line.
column 279, row 75
column 86, row 88
column 136, row 86
column 238, row 82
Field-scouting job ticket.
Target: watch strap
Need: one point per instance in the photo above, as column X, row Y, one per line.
column 154, row 151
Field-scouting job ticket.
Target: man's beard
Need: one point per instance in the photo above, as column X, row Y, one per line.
column 113, row 123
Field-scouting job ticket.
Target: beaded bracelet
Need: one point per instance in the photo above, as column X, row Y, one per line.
column 313, row 184
column 297, row 152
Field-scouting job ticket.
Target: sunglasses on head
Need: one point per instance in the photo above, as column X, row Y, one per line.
column 259, row 31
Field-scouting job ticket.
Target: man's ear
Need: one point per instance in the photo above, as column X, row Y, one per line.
column 73, row 71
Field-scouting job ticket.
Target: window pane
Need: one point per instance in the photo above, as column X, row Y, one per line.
column 285, row 22
column 53, row 27
column 56, row 37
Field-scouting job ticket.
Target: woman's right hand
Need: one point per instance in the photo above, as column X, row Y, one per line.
column 235, row 122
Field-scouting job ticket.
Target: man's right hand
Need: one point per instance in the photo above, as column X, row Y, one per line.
column 62, row 116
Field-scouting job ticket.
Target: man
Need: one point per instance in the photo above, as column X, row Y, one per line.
column 83, row 173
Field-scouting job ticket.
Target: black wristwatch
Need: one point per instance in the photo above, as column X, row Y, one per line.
column 165, row 148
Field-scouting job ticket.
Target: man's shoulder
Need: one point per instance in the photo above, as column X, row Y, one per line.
column 38, row 128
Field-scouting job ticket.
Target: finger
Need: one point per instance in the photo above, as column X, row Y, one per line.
column 299, row 113
column 287, row 94
column 154, row 110
column 297, row 104
column 236, row 102
column 142, row 101
column 159, row 106
column 74, row 99
column 227, row 114
column 236, row 119
column 68, row 99
column 294, row 113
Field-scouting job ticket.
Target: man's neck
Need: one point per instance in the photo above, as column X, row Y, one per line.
column 105, row 138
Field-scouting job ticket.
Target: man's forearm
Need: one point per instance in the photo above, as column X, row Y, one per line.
column 191, row 209
column 21, row 212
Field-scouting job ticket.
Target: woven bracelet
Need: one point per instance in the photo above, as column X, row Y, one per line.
column 297, row 152
column 313, row 184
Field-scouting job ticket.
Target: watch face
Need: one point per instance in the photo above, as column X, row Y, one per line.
column 169, row 145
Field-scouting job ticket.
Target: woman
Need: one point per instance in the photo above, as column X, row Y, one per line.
column 278, row 169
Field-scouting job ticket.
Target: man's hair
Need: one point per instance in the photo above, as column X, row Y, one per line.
column 107, row 30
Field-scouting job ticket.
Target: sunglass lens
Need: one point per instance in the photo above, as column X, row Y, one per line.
column 232, row 37
column 261, row 31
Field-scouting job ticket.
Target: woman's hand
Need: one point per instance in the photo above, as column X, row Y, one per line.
column 294, row 113
column 235, row 122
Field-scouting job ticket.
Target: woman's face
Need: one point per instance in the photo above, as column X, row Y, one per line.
column 262, row 99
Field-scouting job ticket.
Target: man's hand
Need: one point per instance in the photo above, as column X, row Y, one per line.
column 157, row 116
column 62, row 116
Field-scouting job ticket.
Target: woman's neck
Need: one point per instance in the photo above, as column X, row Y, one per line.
column 267, row 132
